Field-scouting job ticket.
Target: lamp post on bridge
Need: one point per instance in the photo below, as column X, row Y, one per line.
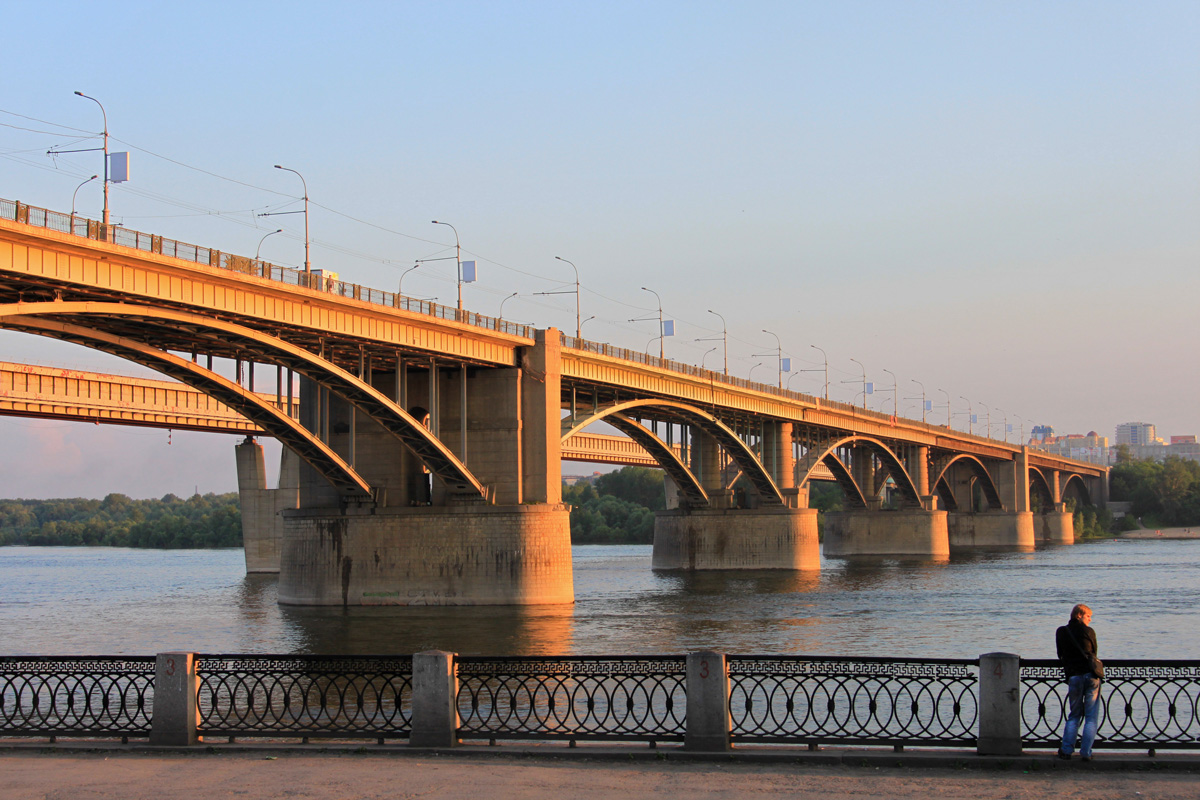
column 778, row 355
column 457, row 258
column 505, row 300
column 258, row 249
column 918, row 383
column 724, row 339
column 1005, row 423
column 661, row 330
column 943, row 391
column 751, row 372
column 864, row 381
column 970, row 416
column 895, row 395
column 304, row 183
column 1018, row 416
column 989, row 418
column 705, row 356
column 103, row 114
column 826, row 358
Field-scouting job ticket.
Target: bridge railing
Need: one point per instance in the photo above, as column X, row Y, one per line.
column 782, row 700
column 149, row 243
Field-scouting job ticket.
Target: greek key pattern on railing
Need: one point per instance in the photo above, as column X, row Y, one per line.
column 76, row 695
column 1143, row 704
column 862, row 701
column 281, row 695
column 567, row 697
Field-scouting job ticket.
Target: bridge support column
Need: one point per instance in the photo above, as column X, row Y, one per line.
column 999, row 529
column 1057, row 526
column 705, row 455
column 906, row 532
column 760, row 538
column 262, row 525
column 414, row 547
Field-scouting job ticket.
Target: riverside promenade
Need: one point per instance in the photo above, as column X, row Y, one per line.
column 554, row 772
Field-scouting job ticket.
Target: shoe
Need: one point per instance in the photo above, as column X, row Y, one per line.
column 1085, row 758
column 1064, row 756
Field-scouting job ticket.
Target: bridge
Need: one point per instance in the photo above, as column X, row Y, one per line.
column 429, row 439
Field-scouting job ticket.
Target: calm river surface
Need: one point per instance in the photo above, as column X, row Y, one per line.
column 96, row 601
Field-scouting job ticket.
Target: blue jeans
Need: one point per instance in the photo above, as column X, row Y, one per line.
column 1083, row 699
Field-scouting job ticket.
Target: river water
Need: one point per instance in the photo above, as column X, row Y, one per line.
column 100, row 601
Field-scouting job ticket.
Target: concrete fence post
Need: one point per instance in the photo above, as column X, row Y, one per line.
column 999, row 705
column 707, row 702
column 176, row 715
column 434, row 700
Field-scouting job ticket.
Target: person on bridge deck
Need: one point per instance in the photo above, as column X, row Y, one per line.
column 1077, row 649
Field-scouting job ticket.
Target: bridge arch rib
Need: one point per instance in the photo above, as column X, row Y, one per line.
column 763, row 485
column 1075, row 485
column 1039, row 485
column 825, row 452
column 938, row 479
column 81, row 320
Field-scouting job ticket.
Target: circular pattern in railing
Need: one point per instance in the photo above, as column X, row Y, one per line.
column 76, row 695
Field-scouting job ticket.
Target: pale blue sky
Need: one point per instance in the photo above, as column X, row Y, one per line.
column 1001, row 200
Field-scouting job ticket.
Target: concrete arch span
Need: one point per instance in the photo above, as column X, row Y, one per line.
column 938, row 479
column 1076, row 486
column 691, row 493
column 826, row 452
column 116, row 319
column 764, row 486
column 271, row 419
column 1039, row 485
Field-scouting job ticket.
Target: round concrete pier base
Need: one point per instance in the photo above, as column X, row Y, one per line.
column 457, row 555
column 912, row 532
column 992, row 529
column 760, row 538
column 1057, row 527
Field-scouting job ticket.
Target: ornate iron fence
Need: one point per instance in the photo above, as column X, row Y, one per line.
column 309, row 696
column 76, row 695
column 573, row 697
column 1144, row 704
column 815, row 700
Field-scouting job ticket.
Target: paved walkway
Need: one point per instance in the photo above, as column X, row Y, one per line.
column 249, row 772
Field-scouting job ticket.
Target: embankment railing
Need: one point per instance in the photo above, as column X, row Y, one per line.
column 997, row 703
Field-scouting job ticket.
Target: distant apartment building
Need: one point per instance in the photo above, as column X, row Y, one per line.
column 1136, row 434
column 1091, row 447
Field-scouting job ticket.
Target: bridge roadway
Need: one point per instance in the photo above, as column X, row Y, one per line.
column 469, row 509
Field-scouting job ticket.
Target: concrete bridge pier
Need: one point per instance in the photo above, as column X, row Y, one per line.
column 261, row 508
column 420, row 541
column 993, row 529
column 743, row 538
column 1056, row 526
column 913, row 532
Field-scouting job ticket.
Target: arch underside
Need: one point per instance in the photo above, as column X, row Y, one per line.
column 145, row 335
column 761, row 482
column 1077, row 486
column 825, row 452
column 1039, row 485
column 941, row 483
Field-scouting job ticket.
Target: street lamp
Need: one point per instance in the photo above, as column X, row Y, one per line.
column 895, row 395
column 661, row 338
column 943, row 391
column 585, row 322
column 103, row 114
column 705, row 356
column 970, row 416
column 751, row 372
column 578, row 323
column 1004, row 430
column 258, row 249
column 989, row 418
column 864, row 380
column 724, row 339
column 502, row 302
column 76, row 194
column 778, row 354
column 304, row 183
column 826, row 358
column 918, row 383
column 457, row 258
column 1018, row 416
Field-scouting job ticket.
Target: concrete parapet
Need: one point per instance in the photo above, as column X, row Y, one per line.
column 999, row 705
column 761, row 538
column 176, row 714
column 434, row 700
column 1056, row 527
column 907, row 532
column 453, row 555
column 992, row 529
column 708, row 720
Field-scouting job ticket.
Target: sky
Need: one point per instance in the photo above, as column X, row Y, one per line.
column 1000, row 201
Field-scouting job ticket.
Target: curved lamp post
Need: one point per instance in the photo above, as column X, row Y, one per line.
column 103, row 114
column 970, row 414
column 826, row 358
column 864, row 380
column 258, row 249
column 304, row 183
column 76, row 194
column 457, row 258
column 895, row 395
column 943, row 391
column 918, row 383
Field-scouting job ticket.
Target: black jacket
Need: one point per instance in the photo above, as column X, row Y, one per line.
column 1073, row 661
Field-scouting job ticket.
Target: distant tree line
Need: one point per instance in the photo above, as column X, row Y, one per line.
column 1161, row 493
column 201, row 521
